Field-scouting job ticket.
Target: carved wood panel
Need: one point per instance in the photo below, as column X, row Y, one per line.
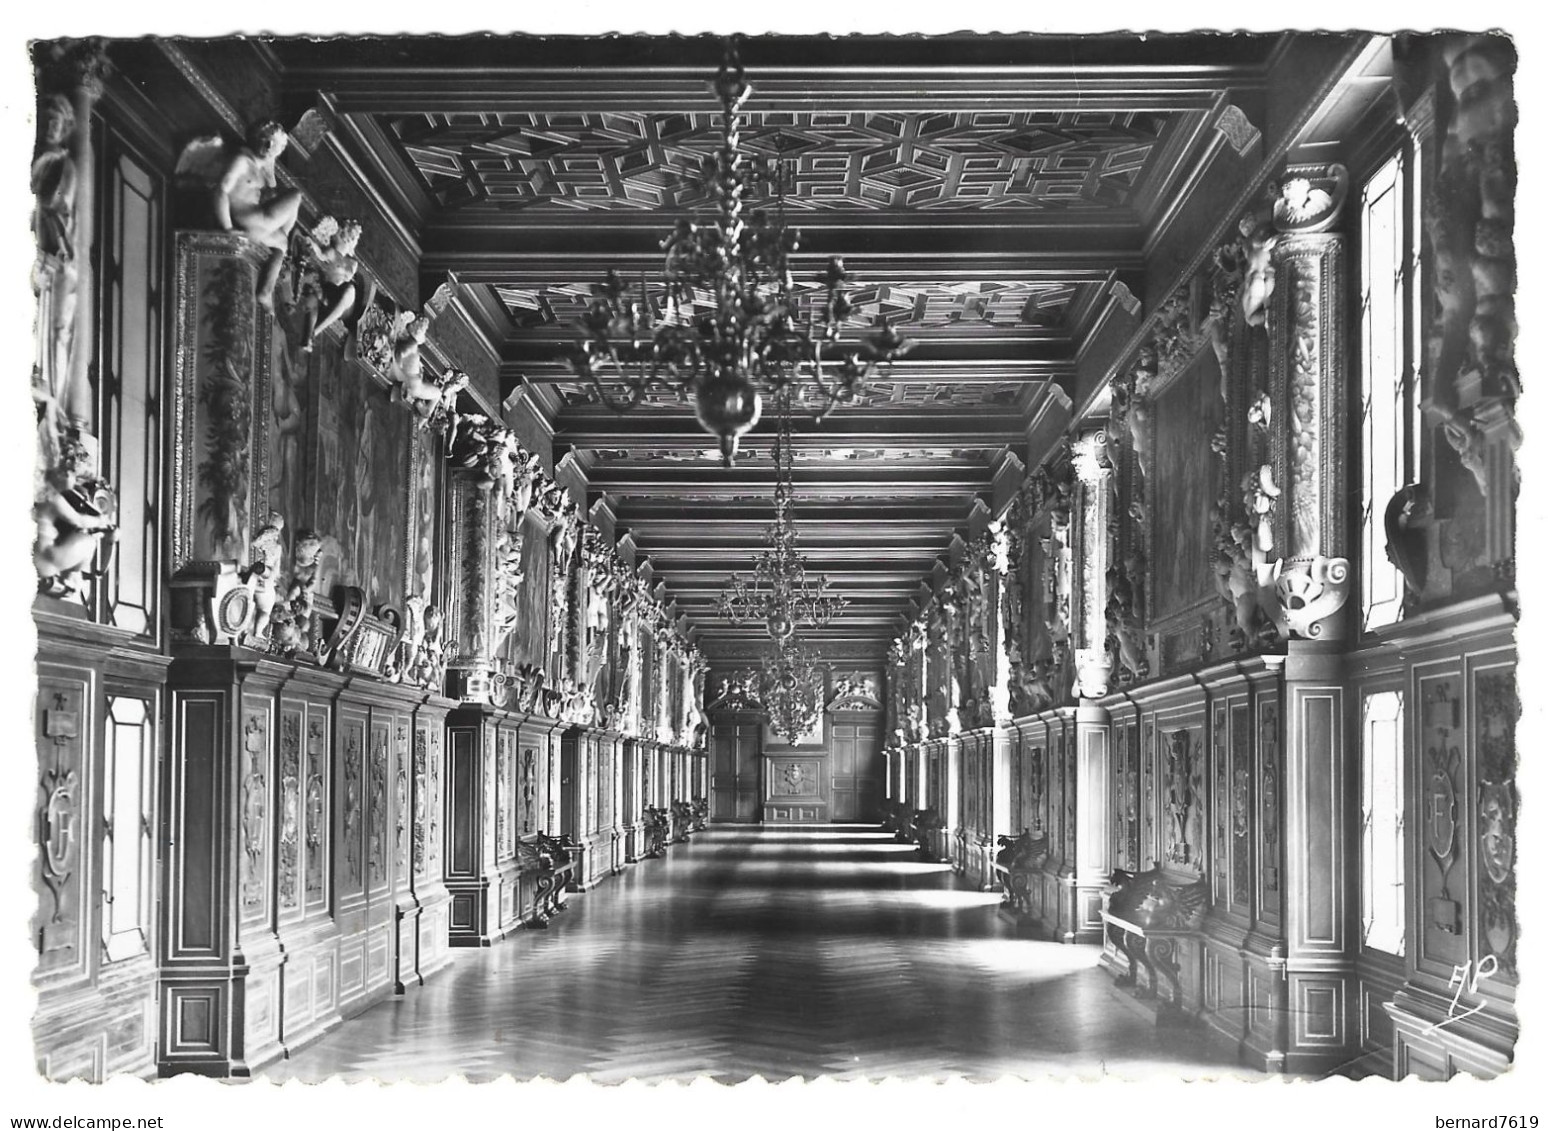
column 529, row 781
column 63, row 820
column 318, row 829
column 352, row 803
column 1270, row 789
column 255, row 774
column 1183, row 797
column 377, row 791
column 402, row 811
column 1445, row 849
column 1495, row 712
column 422, row 799
column 290, row 845
column 504, row 800
column 1241, row 806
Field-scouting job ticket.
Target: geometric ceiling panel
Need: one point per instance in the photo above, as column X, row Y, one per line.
column 975, row 305
column 1027, row 161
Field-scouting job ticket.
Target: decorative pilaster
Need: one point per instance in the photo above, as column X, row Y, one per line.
column 1090, row 785
column 1304, row 577
column 1093, row 473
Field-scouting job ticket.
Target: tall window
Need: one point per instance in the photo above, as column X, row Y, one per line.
column 128, row 854
column 1381, row 837
column 1389, row 353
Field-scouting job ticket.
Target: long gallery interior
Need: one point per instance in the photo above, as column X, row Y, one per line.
column 661, row 557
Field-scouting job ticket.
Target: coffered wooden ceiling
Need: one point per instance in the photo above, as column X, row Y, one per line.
column 985, row 191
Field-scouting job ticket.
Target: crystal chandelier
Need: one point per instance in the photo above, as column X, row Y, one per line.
column 790, row 686
column 725, row 328
column 780, row 593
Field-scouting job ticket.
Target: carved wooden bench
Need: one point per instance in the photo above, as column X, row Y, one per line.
column 657, row 824
column 682, row 821
column 1015, row 864
column 1144, row 917
column 553, row 863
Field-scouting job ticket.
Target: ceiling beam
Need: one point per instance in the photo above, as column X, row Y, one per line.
column 758, row 478
column 594, row 427
column 1050, row 74
column 510, row 246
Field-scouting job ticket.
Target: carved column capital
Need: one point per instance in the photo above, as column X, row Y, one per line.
column 1089, row 456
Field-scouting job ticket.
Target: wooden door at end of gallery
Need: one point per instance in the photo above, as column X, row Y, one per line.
column 857, row 770
column 736, row 755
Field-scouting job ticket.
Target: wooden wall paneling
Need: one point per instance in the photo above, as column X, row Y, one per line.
column 504, row 814
column 306, row 929
column 859, row 772
column 1091, row 758
column 629, row 804
column 948, row 843
column 428, row 782
column 406, row 910
column 1320, row 876
column 735, row 766
column 797, row 786
column 1262, row 987
column 98, row 811
column 1461, row 712
column 749, row 770
column 351, row 787
column 68, row 808
column 64, row 926
column 221, row 1002
column 464, row 855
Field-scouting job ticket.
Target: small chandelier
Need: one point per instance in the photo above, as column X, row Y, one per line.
column 790, row 687
column 726, row 327
column 780, row 593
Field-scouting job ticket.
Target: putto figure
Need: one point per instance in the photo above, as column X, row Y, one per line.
column 432, row 399
column 72, row 513
column 328, row 290
column 246, row 195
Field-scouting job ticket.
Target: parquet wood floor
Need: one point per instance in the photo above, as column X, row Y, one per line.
column 784, row 952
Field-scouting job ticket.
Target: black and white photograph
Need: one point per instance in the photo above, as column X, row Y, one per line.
column 809, row 567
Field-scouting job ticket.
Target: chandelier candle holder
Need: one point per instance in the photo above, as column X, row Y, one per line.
column 780, row 592
column 728, row 328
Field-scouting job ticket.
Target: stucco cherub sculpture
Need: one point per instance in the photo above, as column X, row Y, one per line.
column 245, row 193
column 328, row 290
column 71, row 517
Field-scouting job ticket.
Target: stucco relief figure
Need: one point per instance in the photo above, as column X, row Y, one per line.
column 72, row 514
column 1123, row 618
column 1259, row 492
column 1258, row 268
column 306, row 557
column 54, row 275
column 266, row 555
column 430, row 665
column 1237, row 566
column 328, row 289
column 1305, row 205
column 247, row 197
column 432, row 398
